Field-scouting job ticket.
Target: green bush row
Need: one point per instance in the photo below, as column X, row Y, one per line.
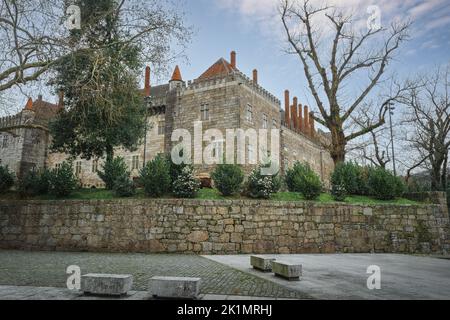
column 352, row 179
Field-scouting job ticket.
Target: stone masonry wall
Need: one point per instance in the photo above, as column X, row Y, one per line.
column 221, row 227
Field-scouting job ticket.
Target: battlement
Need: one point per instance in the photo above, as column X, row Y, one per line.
column 12, row 121
column 235, row 76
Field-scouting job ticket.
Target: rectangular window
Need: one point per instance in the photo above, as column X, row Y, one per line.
column 274, row 124
column 249, row 113
column 58, row 166
column 204, row 112
column 94, row 166
column 5, row 141
column 78, row 168
column 161, row 128
column 135, row 163
column 265, row 122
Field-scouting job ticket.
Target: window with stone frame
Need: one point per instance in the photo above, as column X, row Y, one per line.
column 94, row 166
column 204, row 111
column 249, row 113
column 5, row 141
column 161, row 128
column 135, row 163
column 274, row 124
column 58, row 166
column 265, row 122
column 78, row 168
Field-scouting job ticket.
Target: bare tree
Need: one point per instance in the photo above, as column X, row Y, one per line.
column 35, row 38
column 351, row 54
column 429, row 119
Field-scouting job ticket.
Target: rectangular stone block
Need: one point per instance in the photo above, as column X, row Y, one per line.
column 106, row 284
column 289, row 271
column 261, row 263
column 175, row 287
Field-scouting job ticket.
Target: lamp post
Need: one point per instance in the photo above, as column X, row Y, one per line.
column 391, row 109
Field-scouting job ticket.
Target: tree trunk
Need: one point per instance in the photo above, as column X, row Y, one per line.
column 109, row 153
column 338, row 146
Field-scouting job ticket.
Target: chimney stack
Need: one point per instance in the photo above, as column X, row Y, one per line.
column 295, row 112
column 233, row 59
column 306, row 120
column 40, row 97
column 287, row 118
column 147, row 82
column 255, row 76
column 61, row 99
column 312, row 124
column 300, row 118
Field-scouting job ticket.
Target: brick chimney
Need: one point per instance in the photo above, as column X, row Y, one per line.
column 61, row 99
column 255, row 76
column 147, row 82
column 306, row 121
column 293, row 117
column 312, row 123
column 300, row 118
column 295, row 112
column 40, row 97
column 287, row 118
column 233, row 59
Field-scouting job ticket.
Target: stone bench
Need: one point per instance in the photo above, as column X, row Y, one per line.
column 262, row 263
column 175, row 287
column 106, row 284
column 289, row 271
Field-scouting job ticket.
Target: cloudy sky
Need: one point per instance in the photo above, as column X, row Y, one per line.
column 252, row 29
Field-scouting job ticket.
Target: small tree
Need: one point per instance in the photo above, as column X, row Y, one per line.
column 384, row 185
column 185, row 184
column 124, row 186
column 35, row 183
column 262, row 187
column 228, row 179
column 112, row 170
column 155, row 177
column 62, row 181
column 301, row 178
column 6, row 179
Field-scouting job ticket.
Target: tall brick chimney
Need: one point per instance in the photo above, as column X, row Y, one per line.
column 287, row 118
column 306, row 121
column 312, row 123
column 295, row 112
column 293, row 117
column 300, row 118
column 233, row 59
column 61, row 99
column 255, row 76
column 147, row 82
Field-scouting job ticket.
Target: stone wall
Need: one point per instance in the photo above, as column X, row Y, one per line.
column 222, row 227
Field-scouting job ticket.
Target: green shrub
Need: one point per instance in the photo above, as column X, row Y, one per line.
column 6, row 179
column 383, row 185
column 228, row 179
column 112, row 170
column 176, row 170
column 338, row 192
column 62, row 181
column 35, row 183
column 124, row 186
column 155, row 177
column 185, row 184
column 301, row 178
column 352, row 177
column 262, row 187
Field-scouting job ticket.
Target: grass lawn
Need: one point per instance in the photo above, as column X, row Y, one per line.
column 210, row 194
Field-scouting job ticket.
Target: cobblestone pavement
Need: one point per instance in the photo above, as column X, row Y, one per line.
column 48, row 269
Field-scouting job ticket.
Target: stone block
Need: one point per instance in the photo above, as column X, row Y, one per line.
column 106, row 284
column 175, row 287
column 289, row 271
column 262, row 263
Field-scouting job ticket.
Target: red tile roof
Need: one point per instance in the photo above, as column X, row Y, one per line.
column 177, row 75
column 220, row 68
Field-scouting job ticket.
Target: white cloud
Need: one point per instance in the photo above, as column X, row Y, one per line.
column 427, row 14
